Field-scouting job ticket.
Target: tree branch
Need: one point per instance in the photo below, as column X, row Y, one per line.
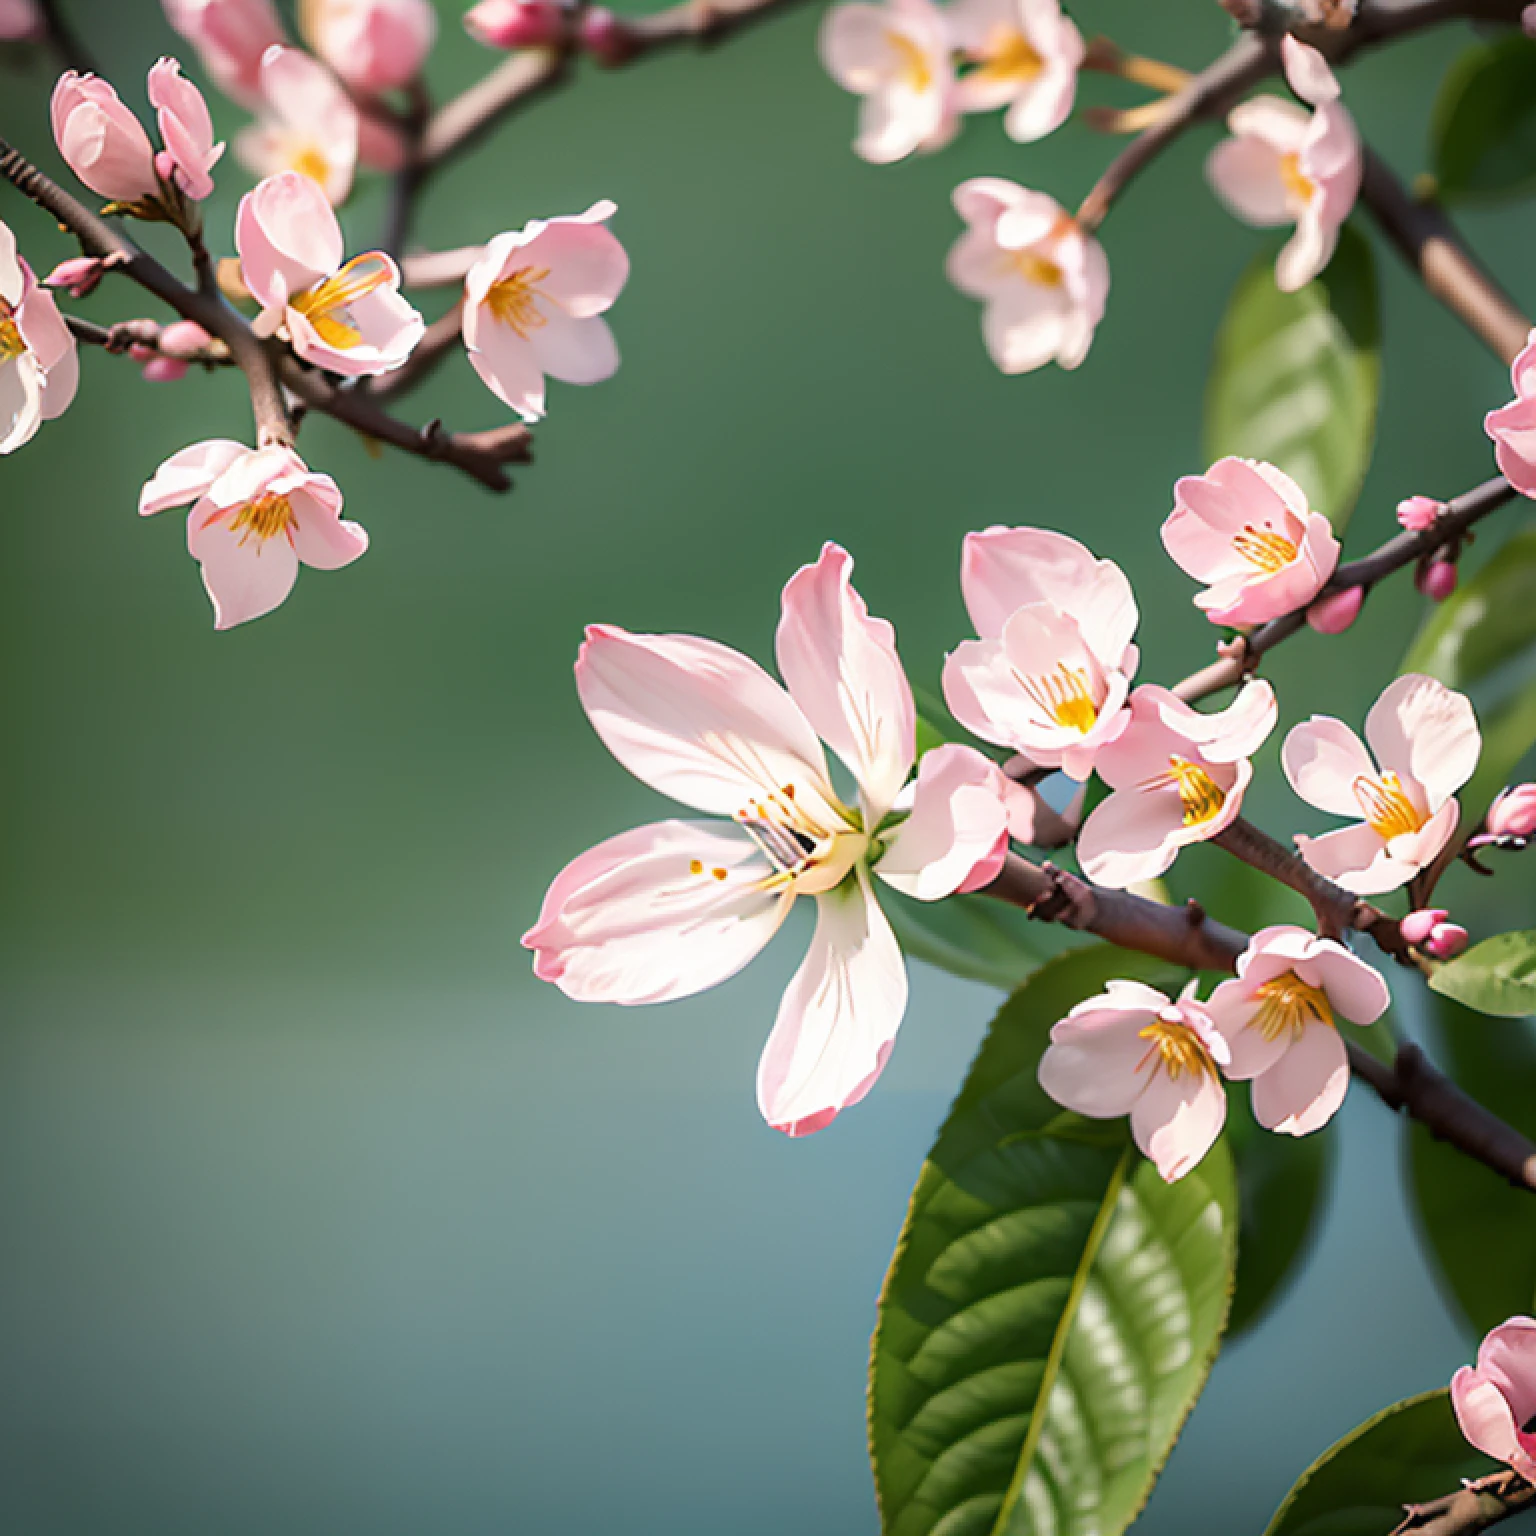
column 1470, row 1509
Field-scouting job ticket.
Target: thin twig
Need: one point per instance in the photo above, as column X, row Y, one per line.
column 1470, row 1509
column 123, row 334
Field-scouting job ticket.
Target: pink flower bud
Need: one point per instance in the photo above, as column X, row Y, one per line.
column 79, row 274
column 1436, row 579
column 21, row 21
column 186, row 129
column 1333, row 614
column 1513, row 813
column 374, row 45
column 1418, row 926
column 516, row 23
column 164, row 370
column 103, row 142
column 183, row 339
column 606, row 37
column 1447, row 941
column 1418, row 512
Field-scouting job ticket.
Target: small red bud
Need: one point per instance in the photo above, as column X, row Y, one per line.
column 1447, row 941
column 1417, row 513
column 1418, row 926
column 1333, row 614
column 516, row 23
column 1436, row 579
column 607, row 38
column 164, row 370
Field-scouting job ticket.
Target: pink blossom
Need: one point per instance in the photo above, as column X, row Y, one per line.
column 1495, row 1401
column 39, row 368
column 350, row 319
column 1513, row 812
column 1179, row 778
column 257, row 513
column 1416, row 513
column 1244, row 527
column 1333, row 614
column 1133, row 1051
column 670, row 909
column 516, row 23
column 1283, row 165
column 186, row 129
column 230, row 37
column 1051, row 672
column 1436, row 579
column 1528, row 21
column 1513, row 427
column 1279, row 1019
column 533, row 306
column 1026, row 55
column 1426, row 745
column 21, row 21
column 374, row 45
column 1042, row 282
column 78, row 274
column 897, row 57
column 307, row 123
column 102, row 141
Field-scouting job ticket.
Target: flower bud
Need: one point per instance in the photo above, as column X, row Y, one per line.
column 102, row 141
column 1333, row 614
column 374, row 45
column 516, row 23
column 1436, row 579
column 606, row 37
column 164, row 370
column 80, row 275
column 183, row 339
column 1513, row 813
column 1417, row 926
column 1447, row 941
column 1416, row 513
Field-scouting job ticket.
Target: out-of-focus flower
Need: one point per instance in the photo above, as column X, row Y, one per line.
column 1026, row 55
column 516, row 23
column 1042, row 282
column 78, row 274
column 257, row 514
column 1329, row 13
column 186, row 130
column 163, row 370
column 1179, row 778
column 103, row 143
column 1278, row 1018
column 1513, row 812
column 669, row 909
column 184, row 339
column 1436, row 578
column 1426, row 745
column 374, row 45
column 1416, row 513
column 897, row 57
column 21, row 21
column 230, row 37
column 606, row 38
column 533, row 303
column 350, row 319
column 1333, row 614
column 1283, row 165
column 1495, row 1401
column 39, row 368
column 1051, row 672
column 306, row 123
column 1528, row 21
column 1513, row 427
column 1133, row 1051
column 1245, row 528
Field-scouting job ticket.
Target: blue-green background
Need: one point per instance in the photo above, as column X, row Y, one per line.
column 317, row 1212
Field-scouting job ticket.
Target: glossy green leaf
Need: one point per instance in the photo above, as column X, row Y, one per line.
column 1053, row 1307
column 1409, row 1453
column 1296, row 376
column 1478, row 1228
column 1483, row 127
column 971, row 936
column 1497, row 976
column 1509, row 733
column 1490, row 620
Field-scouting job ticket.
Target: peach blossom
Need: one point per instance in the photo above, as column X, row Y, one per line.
column 1051, row 672
column 103, row 143
column 1245, row 529
column 670, row 909
column 374, row 45
column 1179, row 777
column 1042, row 282
column 257, row 514
column 350, row 319
column 1513, row 812
column 1026, row 55
column 186, row 130
column 1426, row 745
column 533, row 306
column 230, row 37
column 306, row 123
column 1279, row 1019
column 1133, row 1051
column 1495, row 1400
column 1513, row 427
column 39, row 368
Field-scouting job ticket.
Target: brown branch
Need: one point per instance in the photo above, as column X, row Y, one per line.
column 1430, row 244
column 438, row 269
column 1470, row 1509
column 123, row 334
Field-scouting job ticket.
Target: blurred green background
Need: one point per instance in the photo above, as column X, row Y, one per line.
column 317, row 1212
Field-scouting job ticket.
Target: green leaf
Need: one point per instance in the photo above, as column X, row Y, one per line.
column 1409, row 1453
column 1296, row 376
column 1486, row 624
column 1509, row 732
column 1483, row 127
column 1478, row 1228
column 1053, row 1307
column 970, row 936
column 1497, row 976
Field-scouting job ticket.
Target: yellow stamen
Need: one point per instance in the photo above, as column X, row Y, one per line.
column 1295, row 181
column 1264, row 548
column 1387, row 807
column 513, row 300
column 1034, row 268
column 11, row 344
column 1064, row 696
column 1009, row 57
column 1180, row 1048
column 804, row 853
column 1288, row 1004
column 1199, row 794
column 916, row 71
column 264, row 518
column 326, row 305
column 310, row 161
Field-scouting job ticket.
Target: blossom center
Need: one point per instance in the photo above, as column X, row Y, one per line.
column 328, row 305
column 912, row 68
column 804, row 854
column 1178, row 1048
column 309, row 160
column 263, row 518
column 1065, row 697
column 1288, row 1005
column 1009, row 56
column 1298, row 185
column 11, row 344
column 1264, row 549
column 1200, row 796
column 1035, row 268
column 1387, row 807
column 513, row 300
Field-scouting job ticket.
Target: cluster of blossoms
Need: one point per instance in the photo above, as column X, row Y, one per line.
column 532, row 304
